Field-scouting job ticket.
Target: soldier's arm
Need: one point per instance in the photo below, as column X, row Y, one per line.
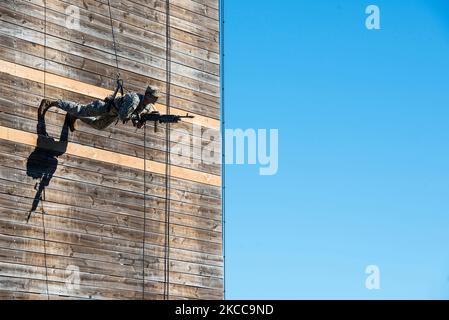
column 108, row 98
column 127, row 105
column 148, row 109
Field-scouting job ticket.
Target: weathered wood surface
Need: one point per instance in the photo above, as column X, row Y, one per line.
column 104, row 217
column 99, row 40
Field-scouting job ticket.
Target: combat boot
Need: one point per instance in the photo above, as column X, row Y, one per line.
column 44, row 106
column 72, row 119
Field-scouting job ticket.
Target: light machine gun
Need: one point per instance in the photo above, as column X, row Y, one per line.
column 156, row 117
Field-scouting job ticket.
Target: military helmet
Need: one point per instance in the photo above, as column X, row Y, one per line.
column 152, row 91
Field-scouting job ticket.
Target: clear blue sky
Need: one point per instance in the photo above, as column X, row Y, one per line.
column 363, row 119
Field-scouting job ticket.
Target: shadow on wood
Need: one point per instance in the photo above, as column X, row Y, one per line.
column 42, row 162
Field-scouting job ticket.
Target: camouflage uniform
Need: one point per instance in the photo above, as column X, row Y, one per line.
column 100, row 114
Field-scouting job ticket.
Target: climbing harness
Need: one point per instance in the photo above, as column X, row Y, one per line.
column 110, row 101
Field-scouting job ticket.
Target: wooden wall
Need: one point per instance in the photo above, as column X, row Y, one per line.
column 93, row 214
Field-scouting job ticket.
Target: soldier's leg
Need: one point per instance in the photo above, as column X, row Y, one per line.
column 47, row 104
column 74, row 110
column 99, row 123
column 94, row 109
column 71, row 121
column 88, row 112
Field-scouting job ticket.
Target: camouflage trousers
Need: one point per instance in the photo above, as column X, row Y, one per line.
column 95, row 114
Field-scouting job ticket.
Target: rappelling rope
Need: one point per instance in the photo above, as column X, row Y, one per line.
column 45, row 245
column 223, row 142
column 43, row 178
column 144, row 206
column 120, row 86
column 167, row 157
column 114, row 45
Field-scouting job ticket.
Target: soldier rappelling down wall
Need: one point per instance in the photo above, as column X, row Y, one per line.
column 99, row 114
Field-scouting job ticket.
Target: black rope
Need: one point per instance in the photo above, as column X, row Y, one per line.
column 114, row 45
column 120, row 88
column 167, row 158
column 44, row 177
column 45, row 239
column 144, row 207
column 223, row 147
